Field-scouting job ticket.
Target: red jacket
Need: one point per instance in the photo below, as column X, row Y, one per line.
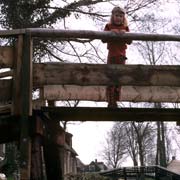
column 116, row 48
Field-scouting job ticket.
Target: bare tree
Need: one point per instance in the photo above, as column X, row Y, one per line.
column 154, row 53
column 132, row 146
column 115, row 149
column 145, row 140
column 136, row 140
column 59, row 14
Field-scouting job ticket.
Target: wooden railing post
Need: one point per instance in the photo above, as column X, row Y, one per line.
column 17, row 65
column 26, row 107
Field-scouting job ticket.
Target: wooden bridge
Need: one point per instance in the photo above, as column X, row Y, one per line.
column 24, row 120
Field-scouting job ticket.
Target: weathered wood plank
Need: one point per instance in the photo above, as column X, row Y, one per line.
column 168, row 94
column 113, row 114
column 98, row 93
column 38, row 103
column 6, row 74
column 16, row 99
column 5, row 109
column 6, row 56
column 103, row 74
column 26, row 107
column 13, row 32
column 85, row 34
column 5, row 90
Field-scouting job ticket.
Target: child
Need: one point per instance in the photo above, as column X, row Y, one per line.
column 116, row 50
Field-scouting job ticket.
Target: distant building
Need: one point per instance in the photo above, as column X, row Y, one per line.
column 174, row 165
column 80, row 166
column 66, row 151
column 70, row 161
column 94, row 166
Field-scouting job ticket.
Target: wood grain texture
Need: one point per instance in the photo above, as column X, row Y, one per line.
column 98, row 93
column 103, row 74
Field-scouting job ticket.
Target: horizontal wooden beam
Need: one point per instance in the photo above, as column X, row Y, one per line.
column 88, row 34
column 5, row 109
column 113, row 114
column 85, row 34
column 98, row 93
column 6, row 74
column 13, row 32
column 103, row 74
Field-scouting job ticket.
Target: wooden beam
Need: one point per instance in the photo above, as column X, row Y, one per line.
column 6, row 74
column 6, row 56
column 5, row 109
column 26, row 107
column 113, row 114
column 5, row 90
column 16, row 90
column 103, row 74
column 10, row 33
column 85, row 34
column 98, row 93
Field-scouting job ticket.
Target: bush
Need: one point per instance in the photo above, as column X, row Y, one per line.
column 85, row 176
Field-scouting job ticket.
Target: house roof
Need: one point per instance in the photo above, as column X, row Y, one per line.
column 80, row 163
column 174, row 166
column 69, row 148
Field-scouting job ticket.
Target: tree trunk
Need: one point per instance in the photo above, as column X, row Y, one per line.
column 163, row 145
column 161, row 148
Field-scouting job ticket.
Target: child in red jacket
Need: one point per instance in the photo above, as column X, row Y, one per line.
column 116, row 50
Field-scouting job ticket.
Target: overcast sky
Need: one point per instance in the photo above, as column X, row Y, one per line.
column 88, row 139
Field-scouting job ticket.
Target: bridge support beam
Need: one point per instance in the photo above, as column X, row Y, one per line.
column 113, row 114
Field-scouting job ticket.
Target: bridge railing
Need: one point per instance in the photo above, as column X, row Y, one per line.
column 154, row 172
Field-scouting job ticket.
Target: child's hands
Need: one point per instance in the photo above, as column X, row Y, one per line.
column 118, row 31
column 122, row 31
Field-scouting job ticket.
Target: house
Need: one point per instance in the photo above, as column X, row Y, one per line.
column 94, row 166
column 70, row 160
column 66, row 152
column 174, row 165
